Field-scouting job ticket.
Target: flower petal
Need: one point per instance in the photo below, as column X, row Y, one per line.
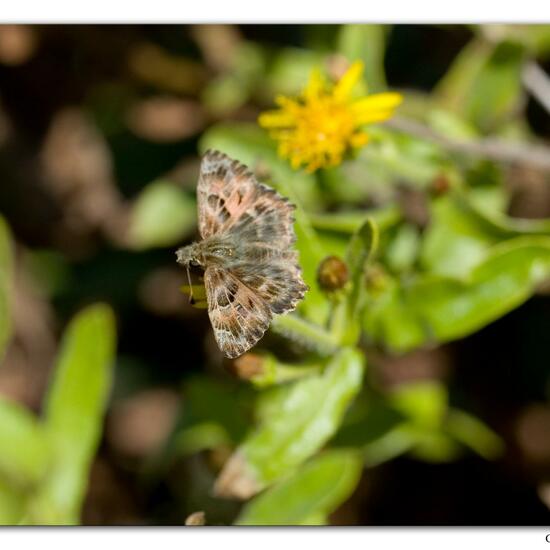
column 276, row 119
column 315, row 85
column 344, row 86
column 376, row 102
column 359, row 139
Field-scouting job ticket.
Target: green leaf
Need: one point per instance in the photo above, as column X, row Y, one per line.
column 309, row 494
column 455, row 241
column 475, row 434
column 375, row 428
column 496, row 222
column 367, row 43
column 484, row 83
column 314, row 520
column 452, row 89
column 25, row 453
column 402, row 249
column 536, row 38
column 506, row 279
column 362, row 247
column 5, row 285
column 496, row 92
column 12, row 504
column 209, row 402
column 450, row 124
column 350, row 221
column 202, row 436
column 289, row 71
column 391, row 444
column 346, row 319
column 432, row 446
column 163, row 215
column 299, row 429
column 430, row 308
column 276, row 372
column 393, row 155
column 74, row 410
column 423, row 402
column 464, row 227
column 389, row 320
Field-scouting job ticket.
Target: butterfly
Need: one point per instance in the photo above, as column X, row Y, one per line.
column 251, row 270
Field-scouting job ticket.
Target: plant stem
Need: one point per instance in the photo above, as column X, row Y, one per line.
column 350, row 222
column 538, row 156
column 308, row 334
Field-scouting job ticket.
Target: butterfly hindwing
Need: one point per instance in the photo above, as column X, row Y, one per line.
column 278, row 281
column 238, row 315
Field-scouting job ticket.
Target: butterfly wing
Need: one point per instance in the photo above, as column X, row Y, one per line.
column 225, row 191
column 239, row 316
column 231, row 199
column 278, row 280
column 260, row 223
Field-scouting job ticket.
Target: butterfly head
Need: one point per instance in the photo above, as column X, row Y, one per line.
column 190, row 256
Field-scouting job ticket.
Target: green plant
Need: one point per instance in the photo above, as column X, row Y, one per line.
column 45, row 460
column 411, row 284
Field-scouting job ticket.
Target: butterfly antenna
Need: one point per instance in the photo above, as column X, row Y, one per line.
column 191, row 301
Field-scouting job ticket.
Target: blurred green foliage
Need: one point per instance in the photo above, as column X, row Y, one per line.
column 161, row 215
column 45, row 461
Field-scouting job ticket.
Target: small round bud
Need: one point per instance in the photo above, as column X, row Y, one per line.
column 440, row 185
column 260, row 370
column 248, row 366
column 333, row 274
column 336, row 66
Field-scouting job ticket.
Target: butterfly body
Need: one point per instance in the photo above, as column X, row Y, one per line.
column 210, row 252
column 250, row 268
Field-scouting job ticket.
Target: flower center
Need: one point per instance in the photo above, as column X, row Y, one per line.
column 325, row 121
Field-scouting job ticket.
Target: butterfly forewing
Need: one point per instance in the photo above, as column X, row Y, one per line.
column 225, row 191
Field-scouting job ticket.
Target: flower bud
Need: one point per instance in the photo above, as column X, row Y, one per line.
column 440, row 185
column 249, row 366
column 332, row 274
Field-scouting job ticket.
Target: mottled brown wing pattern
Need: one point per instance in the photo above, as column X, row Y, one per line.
column 231, row 199
column 239, row 316
column 225, row 190
column 263, row 274
column 278, row 281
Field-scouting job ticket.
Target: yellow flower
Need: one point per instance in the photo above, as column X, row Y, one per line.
column 320, row 126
